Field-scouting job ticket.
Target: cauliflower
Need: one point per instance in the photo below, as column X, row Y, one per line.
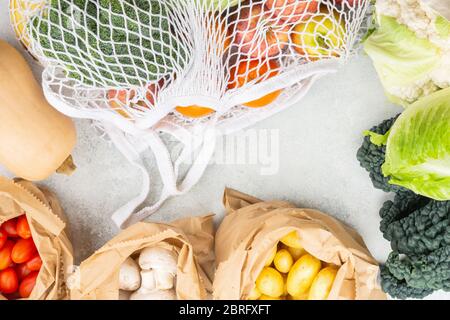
column 410, row 48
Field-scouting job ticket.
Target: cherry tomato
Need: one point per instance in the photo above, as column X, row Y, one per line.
column 5, row 255
column 12, row 296
column 27, row 285
column 23, row 228
column 23, row 250
column 3, row 238
column 22, row 270
column 10, row 227
column 9, row 282
column 35, row 263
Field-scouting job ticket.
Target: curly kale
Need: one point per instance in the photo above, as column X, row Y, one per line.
column 415, row 224
column 427, row 272
column 419, row 231
column 109, row 42
column 399, row 288
column 371, row 157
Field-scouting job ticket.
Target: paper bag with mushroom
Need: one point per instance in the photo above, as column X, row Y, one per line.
column 151, row 261
column 273, row 250
column 37, row 250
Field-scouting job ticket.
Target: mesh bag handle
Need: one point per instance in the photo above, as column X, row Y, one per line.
column 169, row 172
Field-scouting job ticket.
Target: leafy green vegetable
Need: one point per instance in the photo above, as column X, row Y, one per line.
column 442, row 27
column 412, row 152
column 109, row 42
column 419, row 231
column 371, row 155
column 398, row 288
column 418, row 147
column 401, row 59
column 415, row 224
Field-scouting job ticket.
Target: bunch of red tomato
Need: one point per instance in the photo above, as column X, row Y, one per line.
column 19, row 259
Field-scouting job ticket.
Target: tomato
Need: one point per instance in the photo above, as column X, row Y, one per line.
column 9, row 282
column 23, row 228
column 3, row 238
column 23, row 250
column 27, row 285
column 35, row 263
column 22, row 270
column 5, row 255
column 10, row 227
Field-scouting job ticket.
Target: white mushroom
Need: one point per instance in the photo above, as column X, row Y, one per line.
column 143, row 294
column 129, row 277
column 164, row 280
column 148, row 281
column 124, row 295
column 158, row 258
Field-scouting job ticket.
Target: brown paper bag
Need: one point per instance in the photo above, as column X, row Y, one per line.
column 192, row 238
column 252, row 228
column 46, row 221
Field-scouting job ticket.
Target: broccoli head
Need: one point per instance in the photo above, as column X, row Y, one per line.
column 115, row 43
column 371, row 157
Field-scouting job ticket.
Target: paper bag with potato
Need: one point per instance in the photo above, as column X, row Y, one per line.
column 272, row 250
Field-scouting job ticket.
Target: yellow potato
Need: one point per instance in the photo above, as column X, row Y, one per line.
column 270, row 282
column 254, row 294
column 292, row 240
column 296, row 253
column 302, row 274
column 321, row 286
column 264, row 297
column 273, row 252
column 303, row 296
column 283, row 261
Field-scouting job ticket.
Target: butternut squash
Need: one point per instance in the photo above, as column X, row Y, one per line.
column 35, row 139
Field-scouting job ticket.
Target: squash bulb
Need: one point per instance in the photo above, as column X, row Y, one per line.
column 35, row 138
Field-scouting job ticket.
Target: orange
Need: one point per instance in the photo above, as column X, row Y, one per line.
column 194, row 111
column 249, row 70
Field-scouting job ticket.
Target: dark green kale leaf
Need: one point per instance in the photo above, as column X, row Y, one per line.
column 415, row 224
column 371, row 158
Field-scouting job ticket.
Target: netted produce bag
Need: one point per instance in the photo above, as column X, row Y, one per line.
column 327, row 259
column 37, row 244
column 150, row 261
column 187, row 69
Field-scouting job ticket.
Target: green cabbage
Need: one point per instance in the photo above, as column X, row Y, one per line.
column 418, row 147
column 442, row 27
column 400, row 57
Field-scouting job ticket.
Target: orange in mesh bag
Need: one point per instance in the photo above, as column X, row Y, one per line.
column 330, row 260
column 45, row 220
column 150, row 261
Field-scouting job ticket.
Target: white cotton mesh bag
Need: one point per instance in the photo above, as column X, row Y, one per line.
column 192, row 69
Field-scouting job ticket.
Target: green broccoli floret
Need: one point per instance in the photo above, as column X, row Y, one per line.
column 415, row 224
column 109, row 42
column 371, row 158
